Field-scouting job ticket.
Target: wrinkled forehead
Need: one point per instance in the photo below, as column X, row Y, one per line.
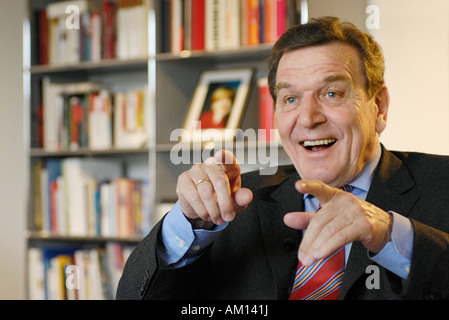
column 336, row 62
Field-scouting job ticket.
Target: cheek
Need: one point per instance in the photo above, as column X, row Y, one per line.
column 367, row 125
column 285, row 123
column 363, row 134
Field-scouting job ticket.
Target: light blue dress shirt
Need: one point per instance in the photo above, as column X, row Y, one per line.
column 182, row 244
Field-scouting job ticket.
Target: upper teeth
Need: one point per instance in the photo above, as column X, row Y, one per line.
column 318, row 142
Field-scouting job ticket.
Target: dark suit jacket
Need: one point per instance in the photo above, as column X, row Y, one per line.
column 256, row 255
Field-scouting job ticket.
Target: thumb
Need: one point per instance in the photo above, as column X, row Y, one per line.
column 298, row 220
column 323, row 192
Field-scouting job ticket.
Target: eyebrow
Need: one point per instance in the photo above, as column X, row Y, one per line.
column 279, row 86
column 336, row 77
column 327, row 79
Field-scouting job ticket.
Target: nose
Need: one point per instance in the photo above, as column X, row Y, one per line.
column 310, row 112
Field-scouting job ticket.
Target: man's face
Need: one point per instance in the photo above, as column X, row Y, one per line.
column 327, row 125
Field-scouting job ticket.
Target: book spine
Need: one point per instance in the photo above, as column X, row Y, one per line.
column 43, row 37
column 281, row 9
column 212, row 25
column 270, row 21
column 198, row 32
column 176, row 26
column 266, row 110
column 253, row 22
column 108, row 29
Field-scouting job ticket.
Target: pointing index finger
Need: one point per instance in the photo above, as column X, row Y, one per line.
column 230, row 166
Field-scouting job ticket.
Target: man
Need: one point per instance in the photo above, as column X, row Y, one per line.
column 251, row 237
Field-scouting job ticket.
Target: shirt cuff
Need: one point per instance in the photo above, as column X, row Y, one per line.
column 397, row 253
column 182, row 243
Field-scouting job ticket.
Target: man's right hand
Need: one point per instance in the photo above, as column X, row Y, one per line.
column 211, row 192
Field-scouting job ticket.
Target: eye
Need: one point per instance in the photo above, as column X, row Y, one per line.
column 290, row 100
column 287, row 103
column 332, row 95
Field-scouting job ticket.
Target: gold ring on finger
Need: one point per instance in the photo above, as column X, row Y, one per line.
column 200, row 181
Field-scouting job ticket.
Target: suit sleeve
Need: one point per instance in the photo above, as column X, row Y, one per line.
column 429, row 271
column 143, row 278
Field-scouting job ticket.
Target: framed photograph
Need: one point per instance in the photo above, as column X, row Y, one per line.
column 218, row 104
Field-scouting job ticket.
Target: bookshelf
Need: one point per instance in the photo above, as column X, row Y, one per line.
column 71, row 219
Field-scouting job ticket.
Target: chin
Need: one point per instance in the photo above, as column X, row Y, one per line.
column 318, row 175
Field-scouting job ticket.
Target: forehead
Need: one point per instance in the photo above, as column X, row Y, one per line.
column 331, row 62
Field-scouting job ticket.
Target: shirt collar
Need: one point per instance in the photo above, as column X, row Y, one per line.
column 364, row 178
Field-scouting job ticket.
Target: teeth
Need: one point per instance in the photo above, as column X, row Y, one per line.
column 318, row 142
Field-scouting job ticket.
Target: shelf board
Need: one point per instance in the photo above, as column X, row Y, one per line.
column 167, row 147
column 262, row 50
column 45, row 236
column 34, row 152
column 107, row 64
column 163, row 147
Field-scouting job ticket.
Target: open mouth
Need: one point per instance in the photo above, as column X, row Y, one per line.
column 317, row 145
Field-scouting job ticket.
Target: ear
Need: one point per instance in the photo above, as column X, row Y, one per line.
column 382, row 101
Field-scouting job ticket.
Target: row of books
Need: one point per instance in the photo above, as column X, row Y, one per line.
column 88, row 115
column 89, row 197
column 85, row 115
column 65, row 273
column 88, row 30
column 224, row 24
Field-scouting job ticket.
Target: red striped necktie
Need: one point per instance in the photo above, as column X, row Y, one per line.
column 322, row 280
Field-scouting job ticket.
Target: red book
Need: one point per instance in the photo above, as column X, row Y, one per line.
column 266, row 109
column 76, row 119
column 198, row 22
column 43, row 37
column 281, row 17
column 109, row 32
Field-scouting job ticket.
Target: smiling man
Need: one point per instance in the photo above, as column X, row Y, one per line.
column 328, row 124
column 316, row 228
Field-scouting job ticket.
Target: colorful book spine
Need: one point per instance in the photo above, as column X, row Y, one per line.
column 266, row 110
column 198, row 33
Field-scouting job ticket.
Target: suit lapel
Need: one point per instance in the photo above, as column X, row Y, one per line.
column 392, row 189
column 281, row 242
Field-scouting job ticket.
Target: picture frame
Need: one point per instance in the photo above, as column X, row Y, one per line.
column 218, row 104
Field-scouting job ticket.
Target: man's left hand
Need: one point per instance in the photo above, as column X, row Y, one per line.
column 343, row 218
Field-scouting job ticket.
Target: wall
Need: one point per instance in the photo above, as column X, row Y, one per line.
column 349, row 10
column 12, row 155
column 414, row 35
